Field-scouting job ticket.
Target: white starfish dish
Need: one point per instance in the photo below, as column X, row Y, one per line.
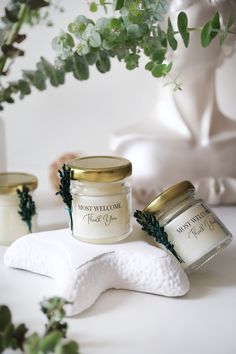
column 82, row 271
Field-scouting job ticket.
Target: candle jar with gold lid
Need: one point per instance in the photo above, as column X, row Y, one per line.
column 195, row 231
column 101, row 205
column 12, row 224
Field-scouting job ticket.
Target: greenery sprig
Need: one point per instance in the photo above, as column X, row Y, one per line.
column 64, row 190
column 27, row 206
column 152, row 227
column 15, row 337
column 17, row 13
column 134, row 28
column 54, row 309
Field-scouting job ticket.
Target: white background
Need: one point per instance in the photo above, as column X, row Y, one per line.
column 80, row 116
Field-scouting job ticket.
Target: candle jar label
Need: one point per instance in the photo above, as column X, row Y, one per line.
column 195, row 232
column 96, row 217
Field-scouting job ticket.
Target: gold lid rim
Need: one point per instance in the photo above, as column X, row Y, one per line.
column 167, row 195
column 31, row 182
column 100, row 174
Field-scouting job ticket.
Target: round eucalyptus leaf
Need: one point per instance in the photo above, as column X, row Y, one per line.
column 5, row 317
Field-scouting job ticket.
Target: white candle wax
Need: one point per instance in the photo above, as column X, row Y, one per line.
column 11, row 224
column 101, row 211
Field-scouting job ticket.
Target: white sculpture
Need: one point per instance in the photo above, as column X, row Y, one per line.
column 83, row 271
column 187, row 137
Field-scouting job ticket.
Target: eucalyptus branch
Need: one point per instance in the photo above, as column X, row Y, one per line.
column 27, row 206
column 137, row 29
column 54, row 309
column 13, row 33
column 15, row 337
column 16, row 27
column 17, row 13
column 152, row 227
column 64, row 190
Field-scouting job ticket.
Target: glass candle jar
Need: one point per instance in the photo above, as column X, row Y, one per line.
column 101, row 206
column 195, row 231
column 11, row 224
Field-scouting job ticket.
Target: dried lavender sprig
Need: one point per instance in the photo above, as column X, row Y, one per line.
column 27, row 206
column 152, row 227
column 64, row 190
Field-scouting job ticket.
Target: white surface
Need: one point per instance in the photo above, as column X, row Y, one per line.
column 83, row 271
column 81, row 116
column 127, row 322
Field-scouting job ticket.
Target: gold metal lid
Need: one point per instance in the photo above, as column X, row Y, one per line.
column 11, row 181
column 167, row 195
column 100, row 168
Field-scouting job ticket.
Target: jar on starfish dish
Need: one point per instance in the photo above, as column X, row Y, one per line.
column 195, row 231
column 101, row 205
column 12, row 223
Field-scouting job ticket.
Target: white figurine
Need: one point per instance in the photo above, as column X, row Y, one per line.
column 188, row 137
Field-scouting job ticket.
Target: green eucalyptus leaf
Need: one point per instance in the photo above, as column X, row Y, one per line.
column 8, row 337
column 32, row 344
column 115, row 23
column 5, row 317
column 215, row 25
column 36, row 78
column 39, row 80
column 206, row 34
column 118, row 4
column 134, row 31
column 210, row 30
column 35, row 4
column 79, row 26
column 95, row 40
column 170, row 35
column 93, row 7
column 67, row 348
column 183, row 27
column 101, row 24
column 149, row 65
column 24, row 88
column 88, row 31
column 120, row 53
column 159, row 55
column 80, row 67
column 68, row 64
column 82, row 48
column 107, row 45
column 19, row 335
column 50, row 72
column 49, row 342
column 91, row 58
column 132, row 61
column 162, row 37
column 228, row 26
column 159, row 70
column 103, row 63
column 11, row 15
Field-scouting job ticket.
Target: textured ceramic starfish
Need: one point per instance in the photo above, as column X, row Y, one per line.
column 83, row 271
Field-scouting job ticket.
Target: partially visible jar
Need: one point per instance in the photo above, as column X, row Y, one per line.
column 195, row 231
column 101, row 206
column 11, row 224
